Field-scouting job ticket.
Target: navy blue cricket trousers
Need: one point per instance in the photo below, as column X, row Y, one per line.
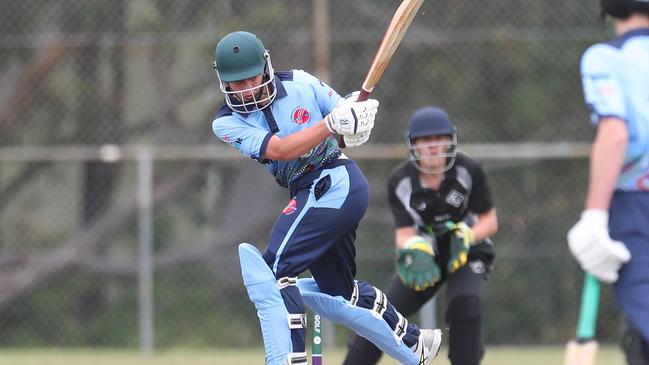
column 317, row 229
column 629, row 223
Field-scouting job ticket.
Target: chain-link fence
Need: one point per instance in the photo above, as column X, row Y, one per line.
column 78, row 220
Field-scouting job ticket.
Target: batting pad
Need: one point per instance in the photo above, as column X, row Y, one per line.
column 264, row 293
column 340, row 311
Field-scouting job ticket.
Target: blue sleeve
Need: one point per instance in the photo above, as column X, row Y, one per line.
column 325, row 96
column 602, row 88
column 250, row 141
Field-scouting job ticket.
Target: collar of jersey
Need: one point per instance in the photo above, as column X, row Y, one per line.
column 637, row 31
column 281, row 92
column 414, row 177
column 621, row 40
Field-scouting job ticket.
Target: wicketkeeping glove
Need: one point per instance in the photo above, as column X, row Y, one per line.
column 462, row 237
column 416, row 265
column 592, row 246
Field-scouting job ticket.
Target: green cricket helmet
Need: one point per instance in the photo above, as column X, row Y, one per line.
column 240, row 56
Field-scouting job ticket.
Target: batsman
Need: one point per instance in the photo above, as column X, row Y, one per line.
column 444, row 214
column 611, row 239
column 290, row 122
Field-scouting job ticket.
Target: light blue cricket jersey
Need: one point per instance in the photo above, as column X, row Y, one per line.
column 615, row 77
column 302, row 101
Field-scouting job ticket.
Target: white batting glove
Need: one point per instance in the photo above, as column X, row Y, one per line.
column 591, row 245
column 352, row 117
column 355, row 140
column 351, row 97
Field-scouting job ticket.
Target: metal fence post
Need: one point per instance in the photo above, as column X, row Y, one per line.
column 145, row 249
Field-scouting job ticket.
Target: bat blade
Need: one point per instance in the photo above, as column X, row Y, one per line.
column 583, row 349
column 391, row 39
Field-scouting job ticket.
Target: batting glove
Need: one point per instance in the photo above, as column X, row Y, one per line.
column 591, row 245
column 462, row 237
column 355, row 140
column 416, row 265
column 351, row 97
column 352, row 117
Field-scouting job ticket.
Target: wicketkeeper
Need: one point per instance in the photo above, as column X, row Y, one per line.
column 444, row 215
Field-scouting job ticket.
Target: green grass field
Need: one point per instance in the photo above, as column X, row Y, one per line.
column 608, row 355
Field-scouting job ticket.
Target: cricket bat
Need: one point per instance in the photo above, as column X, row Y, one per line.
column 393, row 35
column 583, row 349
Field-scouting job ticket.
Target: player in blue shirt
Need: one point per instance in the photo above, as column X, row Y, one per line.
column 611, row 239
column 291, row 122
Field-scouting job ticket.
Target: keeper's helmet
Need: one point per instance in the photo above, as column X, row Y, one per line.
column 240, row 56
column 427, row 122
column 622, row 9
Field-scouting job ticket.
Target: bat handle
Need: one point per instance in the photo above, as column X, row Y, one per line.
column 364, row 95
column 341, row 141
column 588, row 308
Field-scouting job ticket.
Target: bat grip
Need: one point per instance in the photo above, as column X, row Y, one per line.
column 588, row 308
column 364, row 95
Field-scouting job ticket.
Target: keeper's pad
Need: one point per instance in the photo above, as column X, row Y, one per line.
column 365, row 322
column 464, row 317
column 276, row 322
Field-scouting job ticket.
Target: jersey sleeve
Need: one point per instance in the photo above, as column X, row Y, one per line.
column 480, row 200
column 325, row 95
column 603, row 93
column 250, row 141
column 401, row 216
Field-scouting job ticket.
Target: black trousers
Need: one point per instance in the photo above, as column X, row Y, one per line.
column 466, row 345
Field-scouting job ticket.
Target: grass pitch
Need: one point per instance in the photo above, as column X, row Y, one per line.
column 608, row 355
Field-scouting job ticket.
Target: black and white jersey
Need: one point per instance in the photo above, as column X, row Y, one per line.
column 462, row 195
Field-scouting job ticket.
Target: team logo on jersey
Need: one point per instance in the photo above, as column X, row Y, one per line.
column 477, row 267
column 290, row 207
column 455, row 198
column 643, row 183
column 301, row 115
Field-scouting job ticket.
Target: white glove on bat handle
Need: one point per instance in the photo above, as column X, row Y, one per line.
column 352, row 117
column 355, row 140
